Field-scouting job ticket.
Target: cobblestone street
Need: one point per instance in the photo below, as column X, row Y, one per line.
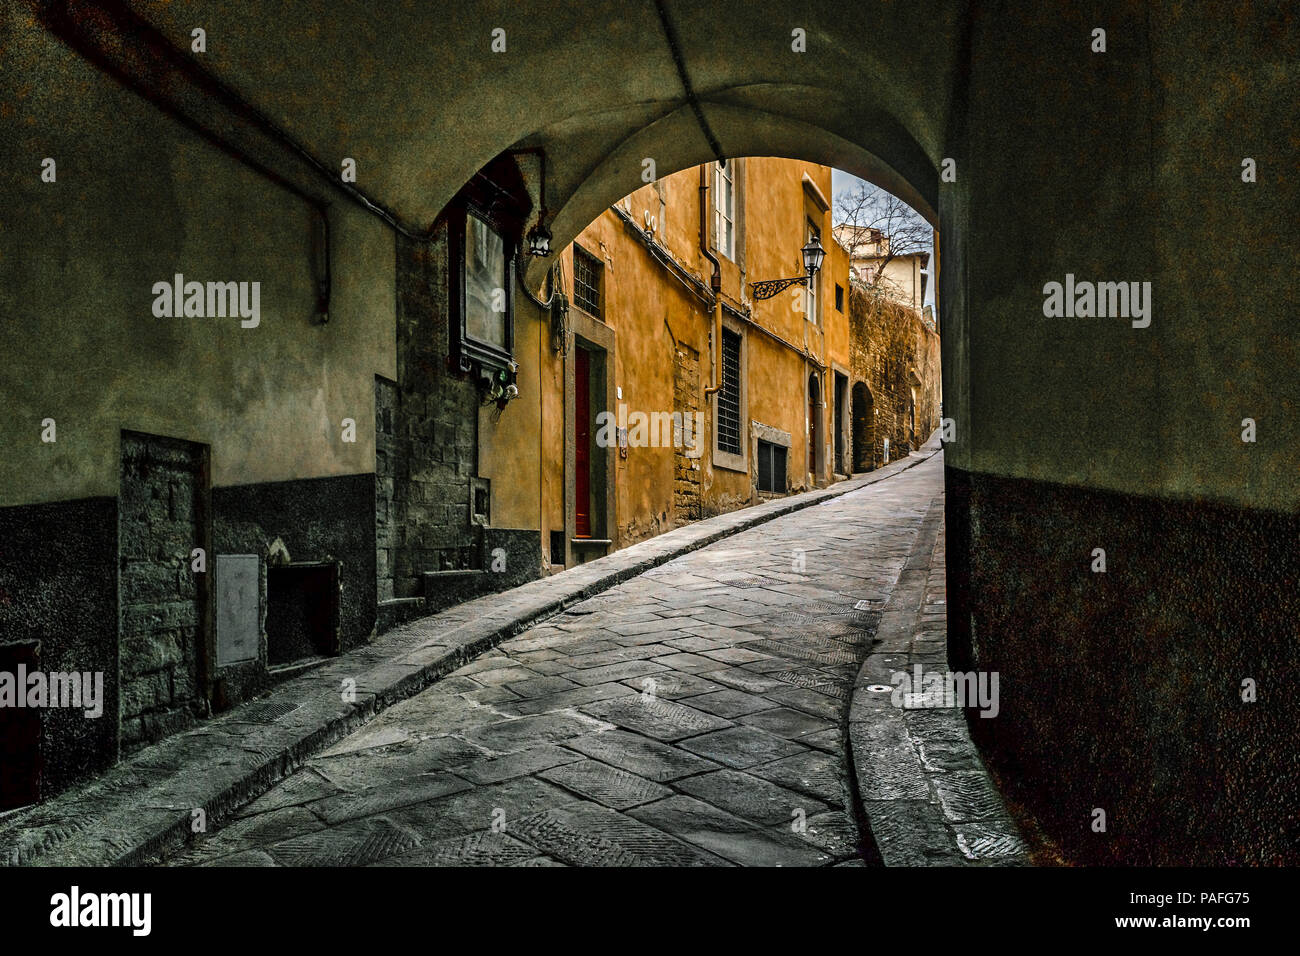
column 693, row 715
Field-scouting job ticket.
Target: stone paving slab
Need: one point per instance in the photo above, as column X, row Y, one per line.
column 641, row 755
column 728, row 836
column 612, row 786
column 591, row 835
column 751, row 797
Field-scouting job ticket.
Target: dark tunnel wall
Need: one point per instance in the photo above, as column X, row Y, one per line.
column 1122, row 690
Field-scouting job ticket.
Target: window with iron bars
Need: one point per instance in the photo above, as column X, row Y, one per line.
column 729, row 396
column 587, row 271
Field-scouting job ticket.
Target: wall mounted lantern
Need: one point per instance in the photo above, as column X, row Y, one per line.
column 539, row 238
column 813, row 253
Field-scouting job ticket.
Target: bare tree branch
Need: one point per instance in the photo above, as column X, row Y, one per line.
column 876, row 224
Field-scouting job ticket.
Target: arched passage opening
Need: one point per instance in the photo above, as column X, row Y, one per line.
column 864, row 428
column 814, row 426
column 431, row 101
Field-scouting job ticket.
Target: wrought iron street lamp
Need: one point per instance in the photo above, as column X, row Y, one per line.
column 813, row 253
column 539, row 237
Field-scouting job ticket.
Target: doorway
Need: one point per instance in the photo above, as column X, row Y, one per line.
column 582, row 443
column 302, row 611
column 838, row 413
column 20, row 733
column 814, row 433
column 590, row 442
column 864, row 428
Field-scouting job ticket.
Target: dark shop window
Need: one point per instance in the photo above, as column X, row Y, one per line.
column 771, row 466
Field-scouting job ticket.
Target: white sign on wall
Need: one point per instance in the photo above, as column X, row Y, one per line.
column 238, row 607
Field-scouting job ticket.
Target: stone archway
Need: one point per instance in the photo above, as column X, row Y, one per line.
column 864, row 428
column 931, row 85
column 814, row 427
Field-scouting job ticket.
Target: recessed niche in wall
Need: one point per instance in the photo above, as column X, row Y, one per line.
column 480, row 502
column 302, row 612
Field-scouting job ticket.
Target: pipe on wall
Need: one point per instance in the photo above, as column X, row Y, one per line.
column 715, row 284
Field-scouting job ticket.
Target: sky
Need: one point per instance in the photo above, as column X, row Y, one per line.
column 843, row 182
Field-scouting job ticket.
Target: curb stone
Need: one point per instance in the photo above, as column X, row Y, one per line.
column 921, row 787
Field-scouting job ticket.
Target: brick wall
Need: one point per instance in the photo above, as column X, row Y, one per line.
column 426, row 452
column 161, row 520
column 686, row 401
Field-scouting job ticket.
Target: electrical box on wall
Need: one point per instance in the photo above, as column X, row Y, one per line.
column 238, row 607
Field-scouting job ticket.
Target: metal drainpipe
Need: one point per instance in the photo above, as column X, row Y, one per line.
column 715, row 284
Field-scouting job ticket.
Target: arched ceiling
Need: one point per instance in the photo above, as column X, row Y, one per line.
column 413, row 92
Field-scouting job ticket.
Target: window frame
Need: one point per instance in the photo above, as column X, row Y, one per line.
column 599, row 269
column 733, row 461
column 507, row 223
column 814, row 313
column 497, row 197
column 724, row 174
column 772, row 448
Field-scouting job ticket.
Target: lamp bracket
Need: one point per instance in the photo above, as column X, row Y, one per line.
column 770, row 287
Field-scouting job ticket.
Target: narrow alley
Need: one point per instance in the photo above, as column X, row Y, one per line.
column 693, row 715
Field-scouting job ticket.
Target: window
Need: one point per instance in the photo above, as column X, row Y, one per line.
column 482, row 249
column 486, row 284
column 814, row 310
column 724, row 209
column 587, row 274
column 484, row 226
column 839, row 297
column 771, row 467
column 661, row 225
column 728, row 429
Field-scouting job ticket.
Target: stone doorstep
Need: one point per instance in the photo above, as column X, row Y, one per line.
column 142, row 808
column 914, row 809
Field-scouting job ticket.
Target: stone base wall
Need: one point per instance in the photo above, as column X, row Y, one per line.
column 58, row 588
column 1123, row 691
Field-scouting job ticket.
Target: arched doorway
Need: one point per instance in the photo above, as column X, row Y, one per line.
column 864, row 428
column 814, row 432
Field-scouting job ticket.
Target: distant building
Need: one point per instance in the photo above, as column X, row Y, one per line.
column 907, row 275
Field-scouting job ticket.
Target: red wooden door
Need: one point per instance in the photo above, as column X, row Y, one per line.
column 582, row 442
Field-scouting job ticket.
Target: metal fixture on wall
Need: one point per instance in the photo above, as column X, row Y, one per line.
column 323, row 247
column 813, row 253
column 715, row 286
column 539, row 236
column 539, row 246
